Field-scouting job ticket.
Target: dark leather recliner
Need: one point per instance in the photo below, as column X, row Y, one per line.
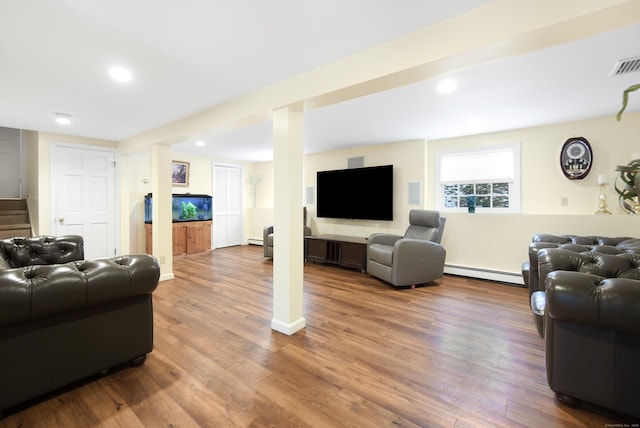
column 412, row 259
column 63, row 318
column 592, row 327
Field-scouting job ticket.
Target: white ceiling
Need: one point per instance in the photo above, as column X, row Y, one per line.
column 55, row 55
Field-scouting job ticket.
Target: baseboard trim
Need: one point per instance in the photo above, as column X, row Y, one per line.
column 166, row 277
column 493, row 275
column 255, row 241
column 287, row 328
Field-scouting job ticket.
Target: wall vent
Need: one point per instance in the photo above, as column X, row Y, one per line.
column 625, row 66
column 355, row 162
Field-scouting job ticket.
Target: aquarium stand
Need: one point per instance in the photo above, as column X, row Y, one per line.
column 188, row 237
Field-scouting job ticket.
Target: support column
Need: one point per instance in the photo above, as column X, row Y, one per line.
column 288, row 255
column 162, row 227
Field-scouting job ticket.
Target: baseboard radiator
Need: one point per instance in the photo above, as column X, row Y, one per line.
column 492, row 275
column 471, row 272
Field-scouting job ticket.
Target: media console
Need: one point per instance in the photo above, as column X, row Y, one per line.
column 347, row 251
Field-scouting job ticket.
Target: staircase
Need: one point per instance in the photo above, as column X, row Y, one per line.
column 14, row 218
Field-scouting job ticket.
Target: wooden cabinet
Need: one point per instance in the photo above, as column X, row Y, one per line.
column 188, row 237
column 198, row 236
column 347, row 251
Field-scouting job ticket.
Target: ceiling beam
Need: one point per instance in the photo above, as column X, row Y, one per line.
column 501, row 29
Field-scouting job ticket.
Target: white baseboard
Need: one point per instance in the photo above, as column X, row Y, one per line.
column 166, row 277
column 287, row 328
column 255, row 241
column 493, row 275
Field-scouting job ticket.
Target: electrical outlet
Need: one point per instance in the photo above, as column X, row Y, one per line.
column 564, row 201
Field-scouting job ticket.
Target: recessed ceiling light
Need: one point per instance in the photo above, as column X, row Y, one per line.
column 200, row 143
column 447, row 86
column 120, row 74
column 63, row 119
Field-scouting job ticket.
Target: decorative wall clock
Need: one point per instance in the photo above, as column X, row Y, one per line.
column 576, row 158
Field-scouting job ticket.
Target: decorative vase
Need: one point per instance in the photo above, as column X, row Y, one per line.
column 471, row 204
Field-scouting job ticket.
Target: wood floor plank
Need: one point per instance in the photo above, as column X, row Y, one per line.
column 464, row 353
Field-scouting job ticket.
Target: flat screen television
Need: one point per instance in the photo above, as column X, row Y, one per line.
column 356, row 193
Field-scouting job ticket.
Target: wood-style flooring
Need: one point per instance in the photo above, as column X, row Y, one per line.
column 464, row 353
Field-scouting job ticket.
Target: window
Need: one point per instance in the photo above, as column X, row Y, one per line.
column 490, row 174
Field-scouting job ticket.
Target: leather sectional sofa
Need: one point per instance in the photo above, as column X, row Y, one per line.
column 592, row 327
column 585, row 296
column 63, row 318
column 579, row 244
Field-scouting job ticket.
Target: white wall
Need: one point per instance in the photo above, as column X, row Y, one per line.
column 473, row 241
column 200, row 182
column 408, row 160
column 543, row 183
column 499, row 242
column 495, row 242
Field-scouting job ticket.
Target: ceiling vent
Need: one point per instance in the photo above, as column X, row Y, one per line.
column 625, row 66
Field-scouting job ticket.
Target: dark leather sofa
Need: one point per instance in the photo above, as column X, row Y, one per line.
column 63, row 319
column 579, row 244
column 592, row 327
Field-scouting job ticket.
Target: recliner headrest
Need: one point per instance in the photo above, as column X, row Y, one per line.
column 426, row 218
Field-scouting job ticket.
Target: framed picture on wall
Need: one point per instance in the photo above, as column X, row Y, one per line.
column 180, row 173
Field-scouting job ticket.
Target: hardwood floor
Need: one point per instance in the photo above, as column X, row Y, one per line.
column 464, row 353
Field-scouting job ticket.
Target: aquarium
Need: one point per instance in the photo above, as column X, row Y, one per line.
column 184, row 207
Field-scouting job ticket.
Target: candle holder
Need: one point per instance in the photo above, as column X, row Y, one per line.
column 603, row 200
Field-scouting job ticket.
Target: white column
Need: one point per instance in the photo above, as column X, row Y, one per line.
column 288, row 257
column 162, row 227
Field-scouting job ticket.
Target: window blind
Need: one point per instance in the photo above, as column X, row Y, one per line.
column 469, row 167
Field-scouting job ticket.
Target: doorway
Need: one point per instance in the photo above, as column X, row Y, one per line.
column 83, row 198
column 227, row 202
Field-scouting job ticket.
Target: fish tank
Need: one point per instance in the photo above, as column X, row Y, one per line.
column 184, row 207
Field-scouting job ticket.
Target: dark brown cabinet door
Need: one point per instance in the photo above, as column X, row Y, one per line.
column 353, row 255
column 316, row 249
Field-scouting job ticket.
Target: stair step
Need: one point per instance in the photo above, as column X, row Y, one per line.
column 15, row 226
column 18, row 233
column 14, row 217
column 15, row 230
column 8, row 212
column 13, row 204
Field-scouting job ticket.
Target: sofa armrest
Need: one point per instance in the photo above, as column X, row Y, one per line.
column 417, row 254
column 35, row 292
column 577, row 297
column 383, row 238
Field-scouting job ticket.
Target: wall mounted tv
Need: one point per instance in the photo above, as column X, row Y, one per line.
column 356, row 193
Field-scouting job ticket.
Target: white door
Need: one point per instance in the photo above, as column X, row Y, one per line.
column 227, row 200
column 83, row 197
column 10, row 162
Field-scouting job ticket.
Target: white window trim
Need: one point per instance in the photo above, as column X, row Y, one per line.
column 515, row 190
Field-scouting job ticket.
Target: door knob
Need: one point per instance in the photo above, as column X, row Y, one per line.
column 61, row 220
